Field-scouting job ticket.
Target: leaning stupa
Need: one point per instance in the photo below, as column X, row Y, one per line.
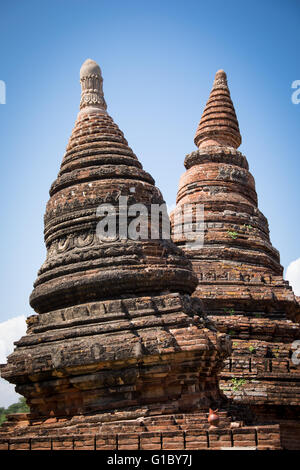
column 240, row 277
column 119, row 356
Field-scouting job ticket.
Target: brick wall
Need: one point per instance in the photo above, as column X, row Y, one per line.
column 259, row 437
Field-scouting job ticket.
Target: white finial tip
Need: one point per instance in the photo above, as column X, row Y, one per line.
column 89, row 68
column 92, row 98
column 220, row 79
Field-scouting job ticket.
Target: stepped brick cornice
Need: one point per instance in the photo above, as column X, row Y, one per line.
column 219, row 124
column 240, row 277
column 116, row 328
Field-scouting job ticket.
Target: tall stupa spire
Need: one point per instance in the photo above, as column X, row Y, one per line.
column 241, row 283
column 111, row 311
column 219, row 125
column 92, row 97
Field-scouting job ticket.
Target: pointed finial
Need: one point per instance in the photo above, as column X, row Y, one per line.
column 92, row 97
column 219, row 125
column 220, row 79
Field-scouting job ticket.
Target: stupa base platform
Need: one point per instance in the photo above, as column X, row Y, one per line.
column 288, row 417
column 187, row 431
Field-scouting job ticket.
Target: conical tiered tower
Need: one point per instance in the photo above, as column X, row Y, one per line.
column 110, row 312
column 219, row 125
column 119, row 355
column 239, row 272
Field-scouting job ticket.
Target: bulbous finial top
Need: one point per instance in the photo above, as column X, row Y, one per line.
column 220, row 79
column 92, row 98
column 89, row 68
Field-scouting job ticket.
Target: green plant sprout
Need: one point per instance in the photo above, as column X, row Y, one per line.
column 237, row 384
column 233, row 234
column 229, row 310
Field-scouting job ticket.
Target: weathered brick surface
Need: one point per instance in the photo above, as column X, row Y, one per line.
column 19, row 443
column 196, row 439
column 62, row 443
column 150, row 441
column 172, row 440
column 219, row 124
column 240, row 277
column 119, row 356
column 116, row 332
column 257, row 437
column 106, row 442
column 189, row 431
column 128, row 441
column 42, row 443
column 3, row 444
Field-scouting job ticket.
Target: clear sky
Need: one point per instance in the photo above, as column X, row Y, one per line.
column 158, row 60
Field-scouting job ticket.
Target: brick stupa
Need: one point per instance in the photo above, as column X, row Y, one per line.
column 241, row 283
column 119, row 356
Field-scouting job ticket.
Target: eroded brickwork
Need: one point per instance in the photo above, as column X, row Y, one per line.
column 239, row 272
column 117, row 339
column 119, row 355
column 164, row 432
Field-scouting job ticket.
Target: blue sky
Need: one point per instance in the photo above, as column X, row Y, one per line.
column 158, row 61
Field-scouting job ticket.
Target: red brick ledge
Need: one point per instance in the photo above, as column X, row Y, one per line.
column 258, row 437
